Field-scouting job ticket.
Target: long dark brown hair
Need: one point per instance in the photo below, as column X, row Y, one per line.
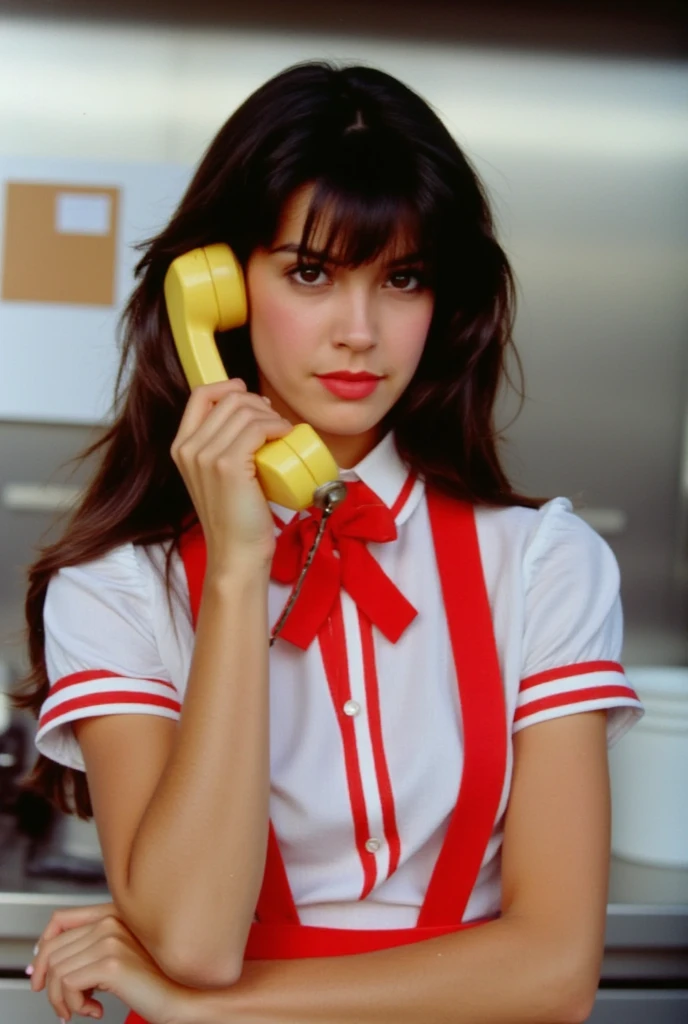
column 380, row 161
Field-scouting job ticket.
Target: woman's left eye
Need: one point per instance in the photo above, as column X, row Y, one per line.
column 406, row 280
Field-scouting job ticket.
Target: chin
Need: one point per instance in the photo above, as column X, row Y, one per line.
column 350, row 424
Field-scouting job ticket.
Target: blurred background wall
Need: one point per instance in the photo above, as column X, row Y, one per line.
column 578, row 123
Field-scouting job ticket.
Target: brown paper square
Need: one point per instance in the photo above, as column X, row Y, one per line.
column 60, row 243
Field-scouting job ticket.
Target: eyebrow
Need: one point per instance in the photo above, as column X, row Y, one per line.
column 319, row 257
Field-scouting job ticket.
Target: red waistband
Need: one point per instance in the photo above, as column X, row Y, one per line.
column 292, row 941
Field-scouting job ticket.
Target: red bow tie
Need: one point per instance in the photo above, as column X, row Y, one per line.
column 342, row 560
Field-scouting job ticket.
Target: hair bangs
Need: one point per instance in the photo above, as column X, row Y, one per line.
column 367, row 194
column 350, row 229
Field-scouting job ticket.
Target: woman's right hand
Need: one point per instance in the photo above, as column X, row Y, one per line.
column 222, row 428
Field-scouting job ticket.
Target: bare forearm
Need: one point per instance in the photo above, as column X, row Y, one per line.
column 198, row 857
column 498, row 973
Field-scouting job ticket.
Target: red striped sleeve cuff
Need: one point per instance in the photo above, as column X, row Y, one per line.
column 568, row 689
column 101, row 692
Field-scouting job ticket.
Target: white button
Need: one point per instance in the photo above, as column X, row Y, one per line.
column 372, row 845
column 351, row 708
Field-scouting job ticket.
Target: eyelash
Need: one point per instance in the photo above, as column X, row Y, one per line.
column 415, row 273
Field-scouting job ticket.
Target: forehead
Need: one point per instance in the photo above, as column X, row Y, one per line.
column 294, row 213
column 293, row 221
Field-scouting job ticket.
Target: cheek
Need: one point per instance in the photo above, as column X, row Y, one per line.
column 409, row 336
column 278, row 333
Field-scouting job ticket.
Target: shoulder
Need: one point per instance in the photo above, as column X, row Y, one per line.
column 129, row 579
column 551, row 537
column 124, row 570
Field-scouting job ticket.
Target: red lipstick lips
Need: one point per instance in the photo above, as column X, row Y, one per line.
column 349, row 385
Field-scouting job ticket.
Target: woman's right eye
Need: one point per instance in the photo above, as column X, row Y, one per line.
column 308, row 274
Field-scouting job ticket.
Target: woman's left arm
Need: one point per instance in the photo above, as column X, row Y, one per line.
column 539, row 962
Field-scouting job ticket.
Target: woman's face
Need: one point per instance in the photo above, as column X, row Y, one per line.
column 335, row 347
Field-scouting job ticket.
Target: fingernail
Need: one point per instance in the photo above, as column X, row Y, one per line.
column 266, row 400
column 29, row 970
column 35, row 949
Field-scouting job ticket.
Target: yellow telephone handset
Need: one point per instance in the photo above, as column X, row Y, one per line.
column 204, row 293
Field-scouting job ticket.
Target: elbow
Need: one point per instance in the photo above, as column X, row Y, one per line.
column 190, row 965
column 567, row 976
column 577, row 1010
column 188, row 958
column 576, row 993
column 580, row 1005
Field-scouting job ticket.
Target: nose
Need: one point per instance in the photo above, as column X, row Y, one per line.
column 355, row 323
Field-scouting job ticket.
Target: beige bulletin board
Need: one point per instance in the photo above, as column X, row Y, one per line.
column 60, row 243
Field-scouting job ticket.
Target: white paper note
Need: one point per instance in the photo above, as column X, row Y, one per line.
column 78, row 213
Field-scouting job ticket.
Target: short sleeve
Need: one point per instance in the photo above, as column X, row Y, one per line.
column 573, row 626
column 101, row 652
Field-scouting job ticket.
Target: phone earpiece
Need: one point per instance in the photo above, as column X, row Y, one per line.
column 204, row 293
column 228, row 282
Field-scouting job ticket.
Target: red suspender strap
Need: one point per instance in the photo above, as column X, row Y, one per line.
column 192, row 550
column 483, row 710
column 275, row 903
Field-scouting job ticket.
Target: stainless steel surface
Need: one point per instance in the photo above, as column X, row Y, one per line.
column 30, row 452
column 599, row 244
column 647, row 926
column 648, row 1006
column 24, row 915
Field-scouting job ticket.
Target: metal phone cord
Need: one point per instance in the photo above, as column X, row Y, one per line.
column 327, row 498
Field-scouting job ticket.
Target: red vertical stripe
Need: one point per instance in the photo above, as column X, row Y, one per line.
column 389, row 819
column 332, row 639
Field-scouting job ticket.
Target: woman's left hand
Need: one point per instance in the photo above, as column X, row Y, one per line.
column 104, row 956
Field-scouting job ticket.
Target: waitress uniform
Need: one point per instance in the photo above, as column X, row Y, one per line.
column 428, row 631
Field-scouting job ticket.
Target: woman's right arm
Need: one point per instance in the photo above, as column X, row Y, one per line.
column 182, row 808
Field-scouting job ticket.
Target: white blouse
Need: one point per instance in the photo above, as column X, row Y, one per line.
column 113, row 647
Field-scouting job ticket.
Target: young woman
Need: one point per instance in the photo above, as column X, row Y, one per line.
column 400, row 811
